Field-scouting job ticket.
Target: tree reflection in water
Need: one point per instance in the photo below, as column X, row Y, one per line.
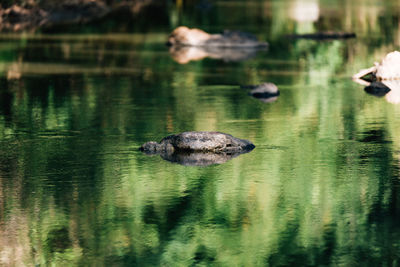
column 320, row 189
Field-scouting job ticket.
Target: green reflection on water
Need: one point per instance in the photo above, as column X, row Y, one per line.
column 319, row 189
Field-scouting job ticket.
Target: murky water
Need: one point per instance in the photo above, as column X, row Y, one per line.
column 320, row 188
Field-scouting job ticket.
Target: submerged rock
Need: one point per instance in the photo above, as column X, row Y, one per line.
column 198, row 148
column 387, row 69
column 265, row 92
column 195, row 37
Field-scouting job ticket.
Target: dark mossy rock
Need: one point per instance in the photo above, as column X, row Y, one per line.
column 198, row 148
column 198, row 142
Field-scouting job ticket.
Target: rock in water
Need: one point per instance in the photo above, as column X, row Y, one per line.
column 198, row 148
column 199, row 142
column 387, row 69
column 266, row 92
column 195, row 37
column 383, row 79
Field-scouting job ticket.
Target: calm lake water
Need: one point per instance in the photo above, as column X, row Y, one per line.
column 321, row 188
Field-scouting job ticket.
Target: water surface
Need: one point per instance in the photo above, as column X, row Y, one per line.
column 320, row 188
